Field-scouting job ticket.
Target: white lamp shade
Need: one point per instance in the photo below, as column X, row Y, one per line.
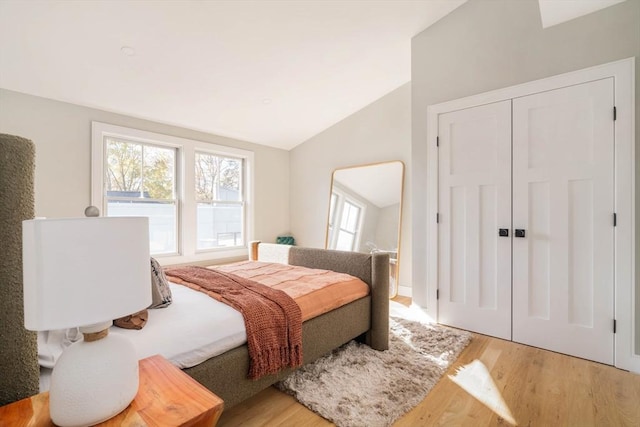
column 82, row 271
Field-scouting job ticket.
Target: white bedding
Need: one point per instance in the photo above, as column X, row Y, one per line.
column 194, row 328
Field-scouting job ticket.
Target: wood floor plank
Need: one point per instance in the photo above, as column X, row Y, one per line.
column 541, row 388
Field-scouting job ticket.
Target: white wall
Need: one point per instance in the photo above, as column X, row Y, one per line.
column 379, row 132
column 487, row 45
column 386, row 235
column 62, row 136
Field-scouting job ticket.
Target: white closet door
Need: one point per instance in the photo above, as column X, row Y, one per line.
column 563, row 182
column 474, row 264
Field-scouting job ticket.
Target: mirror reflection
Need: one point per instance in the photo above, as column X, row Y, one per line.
column 365, row 210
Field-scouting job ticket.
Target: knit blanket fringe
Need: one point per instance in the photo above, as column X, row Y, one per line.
column 272, row 318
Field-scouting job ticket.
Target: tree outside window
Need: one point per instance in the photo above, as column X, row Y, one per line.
column 140, row 181
column 219, row 201
column 194, row 193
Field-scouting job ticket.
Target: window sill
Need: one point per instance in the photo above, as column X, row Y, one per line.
column 205, row 258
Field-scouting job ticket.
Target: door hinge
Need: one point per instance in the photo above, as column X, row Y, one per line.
column 437, row 141
column 614, row 326
column 615, row 113
column 437, row 218
column 437, row 293
column 615, row 219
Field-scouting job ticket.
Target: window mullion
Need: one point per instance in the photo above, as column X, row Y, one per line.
column 189, row 203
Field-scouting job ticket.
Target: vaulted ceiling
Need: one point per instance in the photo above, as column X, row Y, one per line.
column 270, row 72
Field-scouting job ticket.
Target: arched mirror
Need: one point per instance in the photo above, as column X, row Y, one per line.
column 365, row 211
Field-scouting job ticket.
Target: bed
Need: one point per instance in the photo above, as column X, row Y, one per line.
column 208, row 340
column 366, row 318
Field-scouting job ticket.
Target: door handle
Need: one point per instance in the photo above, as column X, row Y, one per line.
column 519, row 232
column 503, row 232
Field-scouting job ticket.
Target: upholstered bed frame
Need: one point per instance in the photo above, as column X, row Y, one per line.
column 226, row 374
column 18, row 348
column 366, row 319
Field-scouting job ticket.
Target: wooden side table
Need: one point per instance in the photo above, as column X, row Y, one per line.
column 166, row 397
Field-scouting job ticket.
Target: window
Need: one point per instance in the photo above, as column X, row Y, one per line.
column 349, row 227
column 220, row 201
column 196, row 194
column 346, row 216
column 140, row 181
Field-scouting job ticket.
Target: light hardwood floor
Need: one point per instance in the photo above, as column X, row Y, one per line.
column 541, row 388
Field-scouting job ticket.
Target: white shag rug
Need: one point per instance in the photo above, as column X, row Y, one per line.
column 357, row 386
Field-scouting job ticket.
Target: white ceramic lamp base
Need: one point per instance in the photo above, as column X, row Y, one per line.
column 93, row 381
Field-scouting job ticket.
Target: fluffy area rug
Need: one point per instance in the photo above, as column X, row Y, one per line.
column 358, row 386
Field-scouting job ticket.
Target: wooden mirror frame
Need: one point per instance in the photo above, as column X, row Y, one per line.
column 394, row 266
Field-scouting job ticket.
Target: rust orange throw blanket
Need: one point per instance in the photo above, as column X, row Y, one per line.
column 272, row 318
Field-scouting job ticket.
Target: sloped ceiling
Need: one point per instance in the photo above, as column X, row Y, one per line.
column 270, row 72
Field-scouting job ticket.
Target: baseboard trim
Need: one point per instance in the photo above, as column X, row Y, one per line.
column 405, row 291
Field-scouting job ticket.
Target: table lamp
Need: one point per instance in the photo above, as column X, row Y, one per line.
column 85, row 272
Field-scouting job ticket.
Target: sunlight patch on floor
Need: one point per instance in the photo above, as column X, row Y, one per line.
column 475, row 379
column 413, row 312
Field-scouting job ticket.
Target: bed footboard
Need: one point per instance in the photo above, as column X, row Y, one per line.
column 373, row 269
column 226, row 374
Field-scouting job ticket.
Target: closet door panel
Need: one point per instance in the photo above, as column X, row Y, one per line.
column 563, row 182
column 474, row 202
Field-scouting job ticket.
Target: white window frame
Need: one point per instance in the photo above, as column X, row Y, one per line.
column 176, row 196
column 337, row 217
column 186, row 238
column 242, row 202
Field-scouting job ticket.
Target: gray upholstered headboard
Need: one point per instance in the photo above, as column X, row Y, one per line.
column 18, row 349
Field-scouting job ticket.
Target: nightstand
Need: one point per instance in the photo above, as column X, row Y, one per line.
column 166, row 397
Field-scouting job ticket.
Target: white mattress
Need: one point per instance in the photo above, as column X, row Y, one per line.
column 194, row 328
